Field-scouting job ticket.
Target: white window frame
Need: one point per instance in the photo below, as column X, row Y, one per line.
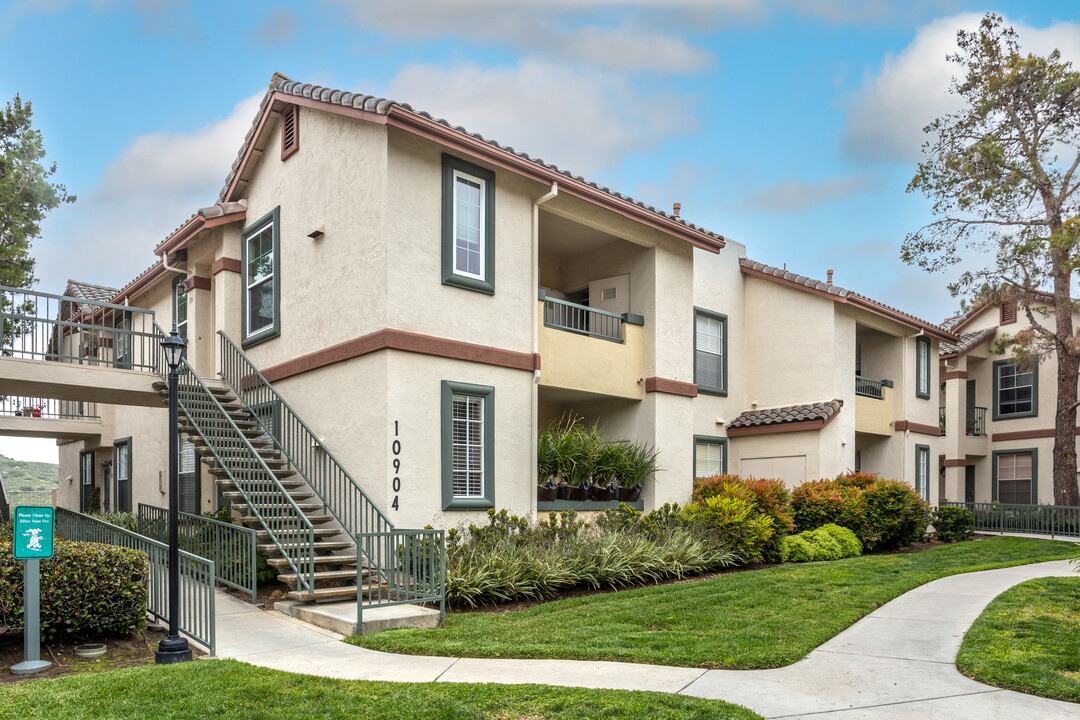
column 459, row 175
column 720, row 443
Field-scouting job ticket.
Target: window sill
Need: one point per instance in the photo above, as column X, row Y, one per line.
column 702, row 390
column 469, row 504
column 260, row 338
column 468, row 283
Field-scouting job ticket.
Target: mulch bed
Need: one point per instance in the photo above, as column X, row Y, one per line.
column 266, row 594
column 135, row 649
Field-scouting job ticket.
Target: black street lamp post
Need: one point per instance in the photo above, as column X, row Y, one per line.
column 173, row 648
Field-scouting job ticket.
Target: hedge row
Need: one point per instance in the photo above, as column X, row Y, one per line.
column 87, row 590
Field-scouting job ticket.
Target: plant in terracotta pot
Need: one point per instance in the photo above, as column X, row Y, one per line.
column 641, row 465
column 610, row 466
column 583, row 446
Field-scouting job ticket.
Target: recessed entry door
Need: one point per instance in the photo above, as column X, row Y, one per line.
column 969, row 484
column 86, row 480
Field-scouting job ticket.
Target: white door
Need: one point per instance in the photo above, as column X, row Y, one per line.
column 610, row 294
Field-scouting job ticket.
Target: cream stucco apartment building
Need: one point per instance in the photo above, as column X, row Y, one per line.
column 427, row 300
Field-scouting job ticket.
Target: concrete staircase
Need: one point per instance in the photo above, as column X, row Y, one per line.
column 250, row 494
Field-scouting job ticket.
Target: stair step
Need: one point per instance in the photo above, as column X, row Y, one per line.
column 248, row 432
column 328, row 545
column 266, row 452
column 329, row 594
column 285, row 477
column 263, row 535
column 259, row 442
column 297, row 494
column 290, row 578
column 313, row 519
column 307, row 507
column 272, row 463
column 345, row 560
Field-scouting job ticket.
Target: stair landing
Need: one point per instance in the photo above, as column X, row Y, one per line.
column 340, row 617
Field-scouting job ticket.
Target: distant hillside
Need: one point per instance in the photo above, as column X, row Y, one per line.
column 25, row 475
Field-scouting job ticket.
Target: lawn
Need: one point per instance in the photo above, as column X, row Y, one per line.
column 756, row 619
column 1028, row 639
column 229, row 689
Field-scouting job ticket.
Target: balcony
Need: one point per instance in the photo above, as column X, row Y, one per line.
column 873, row 406
column 590, row 350
column 976, row 422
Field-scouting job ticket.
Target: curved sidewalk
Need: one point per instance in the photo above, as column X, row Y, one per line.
column 897, row 662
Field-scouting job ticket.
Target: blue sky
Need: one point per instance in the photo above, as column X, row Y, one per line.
column 792, row 126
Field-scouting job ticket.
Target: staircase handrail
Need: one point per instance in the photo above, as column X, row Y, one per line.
column 299, row 520
column 299, row 443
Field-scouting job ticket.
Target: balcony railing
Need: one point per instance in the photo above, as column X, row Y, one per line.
column 976, row 421
column 40, row 326
column 571, row 317
column 871, row 388
column 1052, row 520
column 12, row 406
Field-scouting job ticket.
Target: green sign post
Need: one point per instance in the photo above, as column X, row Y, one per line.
column 34, row 531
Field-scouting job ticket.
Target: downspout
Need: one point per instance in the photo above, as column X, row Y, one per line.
column 535, row 323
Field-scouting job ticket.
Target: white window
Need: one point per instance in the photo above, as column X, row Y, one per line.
column 922, row 367
column 469, row 231
column 260, row 280
column 709, row 457
column 468, row 446
column 1015, row 390
column 709, row 345
column 922, row 471
column 1015, row 473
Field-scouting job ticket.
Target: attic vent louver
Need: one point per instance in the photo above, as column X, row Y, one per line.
column 290, row 131
column 1008, row 312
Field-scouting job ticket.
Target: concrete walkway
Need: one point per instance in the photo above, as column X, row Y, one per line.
column 897, row 662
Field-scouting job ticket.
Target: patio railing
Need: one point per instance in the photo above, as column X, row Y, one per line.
column 15, row 406
column 976, row 421
column 197, row 576
column 1052, row 520
column 231, row 547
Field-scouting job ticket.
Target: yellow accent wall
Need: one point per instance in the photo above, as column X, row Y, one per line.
column 875, row 416
column 578, row 362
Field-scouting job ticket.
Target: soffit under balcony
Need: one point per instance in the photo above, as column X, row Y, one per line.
column 564, row 237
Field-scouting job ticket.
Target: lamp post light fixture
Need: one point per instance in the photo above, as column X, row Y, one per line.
column 173, row 648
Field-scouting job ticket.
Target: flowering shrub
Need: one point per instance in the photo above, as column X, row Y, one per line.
column 883, row 514
column 767, row 498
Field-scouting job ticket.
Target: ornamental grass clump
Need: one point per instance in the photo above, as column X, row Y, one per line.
column 508, row 559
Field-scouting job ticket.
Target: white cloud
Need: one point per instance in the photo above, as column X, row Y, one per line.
column 793, row 194
column 581, row 119
column 911, row 88
column 279, row 26
column 108, row 236
column 636, row 36
column 29, row 449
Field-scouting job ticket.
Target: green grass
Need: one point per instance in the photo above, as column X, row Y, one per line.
column 229, row 689
column 1028, row 639
column 756, row 619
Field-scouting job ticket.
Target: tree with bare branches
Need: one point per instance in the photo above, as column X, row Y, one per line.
column 1003, row 175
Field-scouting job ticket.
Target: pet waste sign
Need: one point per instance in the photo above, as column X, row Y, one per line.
column 34, row 530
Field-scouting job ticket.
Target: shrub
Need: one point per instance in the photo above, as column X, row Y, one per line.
column 824, row 545
column 953, row 523
column 87, row 590
column 849, row 544
column 769, row 498
column 126, row 520
column 578, row 453
column 506, row 561
column 735, row 520
column 883, row 514
column 797, row 549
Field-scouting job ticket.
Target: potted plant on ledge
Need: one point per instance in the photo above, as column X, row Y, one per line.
column 641, row 465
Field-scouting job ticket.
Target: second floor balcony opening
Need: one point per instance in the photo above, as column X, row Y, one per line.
column 878, row 356
column 587, row 278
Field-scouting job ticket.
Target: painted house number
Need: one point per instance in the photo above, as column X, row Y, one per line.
column 395, row 447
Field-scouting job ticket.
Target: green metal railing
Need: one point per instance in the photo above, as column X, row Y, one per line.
column 869, row 388
column 564, row 315
column 231, row 547
column 197, row 577
column 412, row 567
column 289, row 528
column 42, row 326
column 1052, row 520
column 47, row 408
column 29, row 497
column 342, row 495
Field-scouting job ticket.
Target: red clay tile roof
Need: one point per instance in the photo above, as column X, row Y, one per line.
column 790, row 414
column 967, row 342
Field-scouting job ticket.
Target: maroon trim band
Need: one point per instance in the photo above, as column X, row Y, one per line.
column 918, row 428
column 225, row 264
column 670, row 387
column 390, row 339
